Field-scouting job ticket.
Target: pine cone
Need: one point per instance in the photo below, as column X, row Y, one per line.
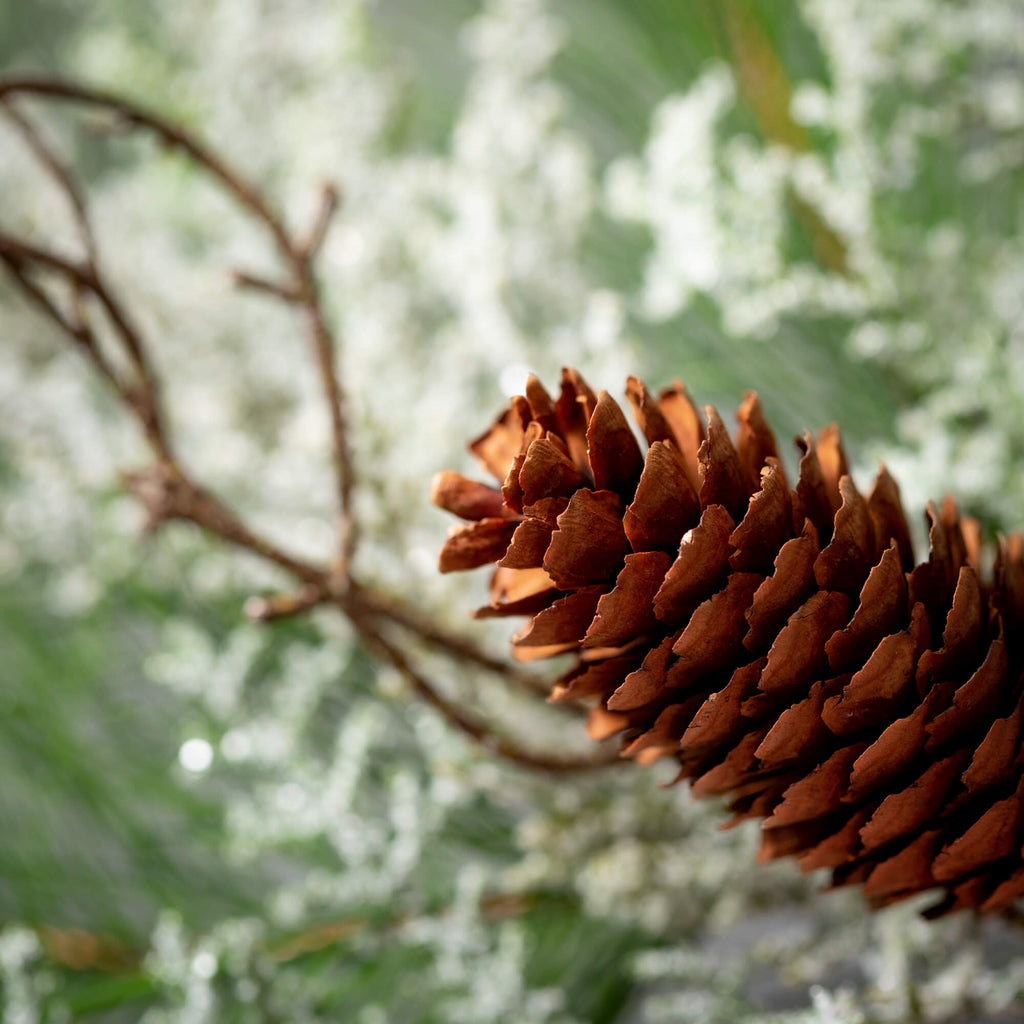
column 779, row 643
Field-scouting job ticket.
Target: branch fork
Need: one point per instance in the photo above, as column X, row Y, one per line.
column 165, row 488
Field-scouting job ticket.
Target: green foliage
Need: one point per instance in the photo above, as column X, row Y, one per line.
column 105, row 833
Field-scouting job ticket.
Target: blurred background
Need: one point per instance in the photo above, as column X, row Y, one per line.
column 204, row 819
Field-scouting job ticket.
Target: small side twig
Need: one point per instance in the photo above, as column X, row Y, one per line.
column 314, row 241
column 256, row 283
column 269, row 607
column 48, row 307
column 78, row 330
column 85, row 278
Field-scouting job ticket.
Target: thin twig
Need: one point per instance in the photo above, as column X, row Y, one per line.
column 168, row 494
column 270, row 607
column 143, row 395
column 133, row 115
column 45, row 303
column 315, row 240
column 79, row 332
column 85, row 276
column 25, row 252
column 323, row 343
column 256, row 283
column 471, row 726
column 60, row 174
column 434, row 635
column 163, row 489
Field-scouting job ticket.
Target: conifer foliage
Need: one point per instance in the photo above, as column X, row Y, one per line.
column 778, row 641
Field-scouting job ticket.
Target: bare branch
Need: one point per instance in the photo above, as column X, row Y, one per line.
column 133, row 115
column 323, row 343
column 471, row 726
column 163, row 489
column 439, row 638
column 61, row 176
column 25, row 252
column 166, row 491
column 328, row 204
column 296, row 256
column 167, row 494
column 284, row 292
column 78, row 330
column 40, row 297
column 267, row 608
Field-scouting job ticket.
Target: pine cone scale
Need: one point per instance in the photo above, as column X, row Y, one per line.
column 665, row 505
column 627, row 610
column 699, row 567
column 589, row 543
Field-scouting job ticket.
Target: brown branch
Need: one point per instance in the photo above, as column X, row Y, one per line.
column 256, row 283
column 79, row 332
column 86, row 277
column 25, row 252
column 44, row 302
column 143, row 395
column 167, row 494
column 467, row 724
column 58, row 172
column 436, row 636
column 136, row 116
column 323, row 343
column 297, row 257
column 164, row 488
column 269, row 607
column 315, row 240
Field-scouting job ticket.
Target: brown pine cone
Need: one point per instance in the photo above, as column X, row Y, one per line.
column 779, row 643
